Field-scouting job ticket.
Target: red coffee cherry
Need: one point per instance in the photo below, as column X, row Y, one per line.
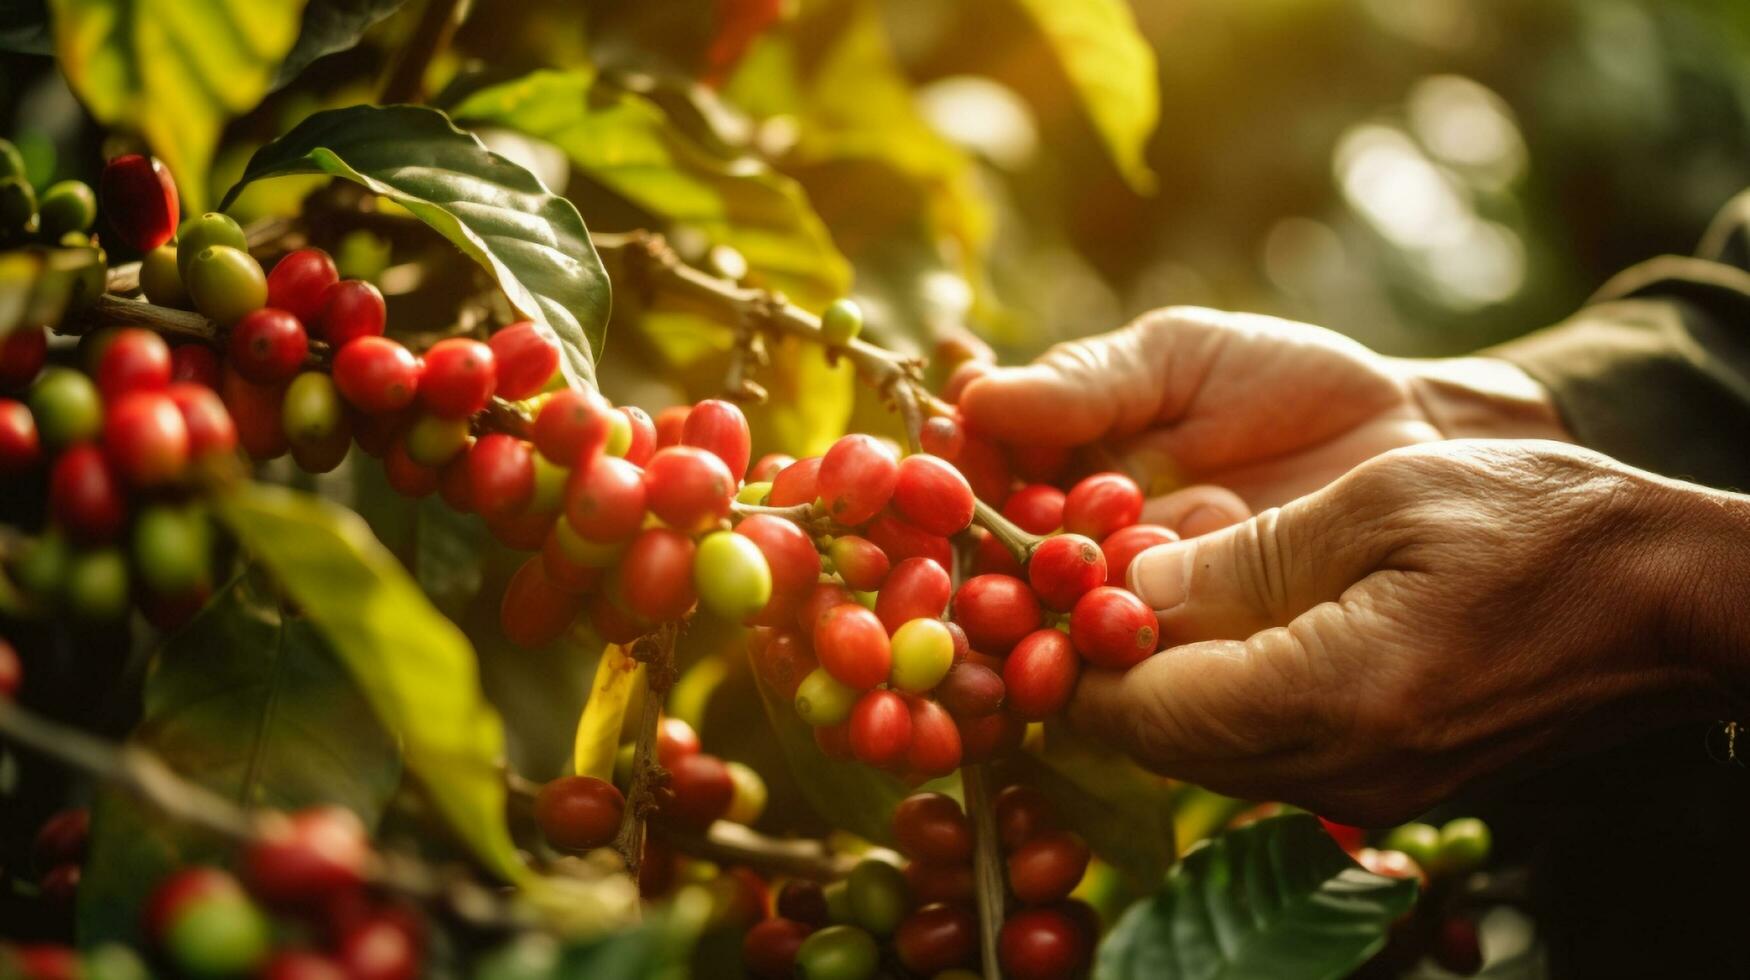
column 182, row 889
column 85, row 495
column 139, row 196
column 986, row 468
column 1101, row 504
column 1041, row 944
column 643, row 444
column 460, row 375
column 376, row 374
column 880, row 728
column 930, row 883
column 767, row 467
column 803, row 901
column 62, row 838
column 942, row 436
column 856, row 478
column 720, row 428
column 656, row 575
column 1457, row 947
column 209, row 424
column 1123, row 545
column 1047, row 868
column 22, row 355
column 932, row 827
column 996, row 611
column 823, row 598
column 579, row 813
column 501, row 474
column 1023, row 813
column 932, row 495
column 572, row 427
column 902, row 541
column 834, row 741
column 535, row 611
column 256, row 414
column 134, row 360
column 59, row 886
column 688, row 488
column 20, row 447
column 962, row 646
column 146, row 439
column 299, row 281
column 1035, row 508
column 1063, row 568
column 194, row 363
column 853, row 647
column 605, row 501
column 565, row 572
column 937, row 937
column 917, row 588
column 983, row 739
column 789, row 553
column 783, row 662
column 1040, row 674
column 268, row 346
column 611, row 622
column 970, row 691
column 1113, row 628
column 675, row 740
column 769, row 949
column 670, row 423
column 859, row 561
column 527, row 359
column 351, row 308
column 300, row 964
column 383, row 948
column 703, row 790
column 308, row 858
column 406, row 476
column 795, row 484
column 453, row 484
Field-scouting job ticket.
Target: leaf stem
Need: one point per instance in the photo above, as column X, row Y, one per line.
column 1019, row 542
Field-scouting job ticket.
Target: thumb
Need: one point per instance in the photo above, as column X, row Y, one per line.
column 1261, row 572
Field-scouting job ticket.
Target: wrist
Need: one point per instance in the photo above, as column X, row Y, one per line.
column 1702, row 569
column 1483, row 398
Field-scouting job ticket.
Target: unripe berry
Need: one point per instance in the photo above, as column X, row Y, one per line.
column 66, row 206
column 225, row 283
column 859, row 562
column 431, row 441
column 579, row 813
column 917, row 588
column 688, row 488
column 1101, row 504
column 460, row 375
column 1113, row 628
column 96, row 588
column 308, row 858
column 20, row 447
column 932, row 495
column 255, row 412
column 135, row 359
column 1040, row 674
column 837, row 953
column 731, row 575
column 572, row 427
column 194, row 363
column 841, row 322
column 172, row 548
column 996, row 611
column 85, row 495
column 655, row 577
column 535, row 611
column 161, row 280
column 877, row 896
column 501, row 474
column 268, row 346
column 1123, row 545
column 203, row 231
column 139, row 196
column 852, row 646
column 376, row 374
column 66, row 406
column 970, row 690
column 720, row 428
column 217, row 935
column 527, row 359
column 1036, row 508
column 796, row 483
column 749, row 800
column 821, row 700
column 22, row 353
column 606, row 500
column 350, row 309
column 856, row 478
column 1065, row 567
column 298, row 281
column 923, row 651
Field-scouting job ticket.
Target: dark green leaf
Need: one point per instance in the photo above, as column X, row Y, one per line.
column 330, row 26
column 449, row 551
column 413, row 665
column 254, row 707
column 1276, row 899
column 532, row 241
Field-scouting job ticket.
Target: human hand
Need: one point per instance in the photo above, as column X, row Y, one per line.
column 1438, row 614
column 1268, row 408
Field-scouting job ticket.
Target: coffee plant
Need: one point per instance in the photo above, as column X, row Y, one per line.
column 371, row 609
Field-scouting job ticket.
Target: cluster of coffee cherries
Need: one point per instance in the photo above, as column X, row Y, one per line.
column 61, row 215
column 918, row 917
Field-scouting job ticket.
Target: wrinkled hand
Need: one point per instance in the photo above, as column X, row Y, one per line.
column 1433, row 616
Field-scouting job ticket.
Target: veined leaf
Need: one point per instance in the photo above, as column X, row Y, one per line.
column 414, row 666
column 604, row 714
column 329, row 26
column 176, row 69
column 253, row 706
column 1275, row 899
column 1113, row 70
column 532, row 241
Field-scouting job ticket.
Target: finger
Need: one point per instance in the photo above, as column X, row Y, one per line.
column 1198, row 510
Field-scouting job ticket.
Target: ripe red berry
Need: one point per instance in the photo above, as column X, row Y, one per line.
column 20, row 447
column 535, row 611
column 703, row 790
column 853, row 647
column 902, row 541
column 351, row 308
column 268, row 346
column 1113, row 628
column 564, row 571
column 579, row 813
column 572, row 427
column 501, row 474
column 1063, row 568
column 146, row 439
column 135, row 359
column 656, row 575
column 376, row 374
column 382, row 948
column 60, row 885
column 983, row 739
column 85, row 495
column 1457, row 947
column 1022, row 813
column 139, row 196
column 1123, row 545
column 675, row 740
column 611, row 622
column 256, row 414
column 937, row 938
column 767, row 467
column 298, row 281
column 917, row 588
column 194, row 363
column 820, row 600
column 643, row 444
column 970, row 690
column 688, row 488
column 834, row 741
column 930, row 883
column 300, row 964
column 859, row 561
column 308, row 858
column 11, row 671
column 932, row 827
column 606, row 500
column 942, row 436
column 720, row 428
column 769, row 949
column 796, row 483
column 803, row 901
column 1039, row 464
column 932, row 495
column 527, row 359
column 1041, row 944
column 406, row 476
column 856, row 478
column 1047, row 867
column 62, row 838
column 1040, row 675
column 179, row 891
column 996, row 611
column 22, row 354
column 1036, row 508
column 1101, row 504
column 987, row 470
column 460, row 375
column 670, row 423
column 880, row 728
column 453, row 484
column 209, row 424
column 789, row 553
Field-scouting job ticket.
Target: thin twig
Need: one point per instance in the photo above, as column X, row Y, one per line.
column 731, row 843
column 1019, row 542
column 657, row 654
column 437, row 24
column 987, row 865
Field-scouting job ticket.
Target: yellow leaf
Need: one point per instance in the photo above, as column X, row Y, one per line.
column 598, row 730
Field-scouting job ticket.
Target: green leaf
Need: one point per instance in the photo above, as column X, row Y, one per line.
column 413, row 665
column 450, row 549
column 251, row 705
column 604, row 714
column 532, row 241
column 38, row 285
column 626, row 143
column 1113, row 70
column 176, row 69
column 330, row 26
column 1276, row 899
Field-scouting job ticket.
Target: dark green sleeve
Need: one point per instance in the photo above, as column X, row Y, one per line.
column 1655, row 371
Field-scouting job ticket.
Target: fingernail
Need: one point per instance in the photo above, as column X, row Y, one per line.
column 1161, row 576
column 1203, row 520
